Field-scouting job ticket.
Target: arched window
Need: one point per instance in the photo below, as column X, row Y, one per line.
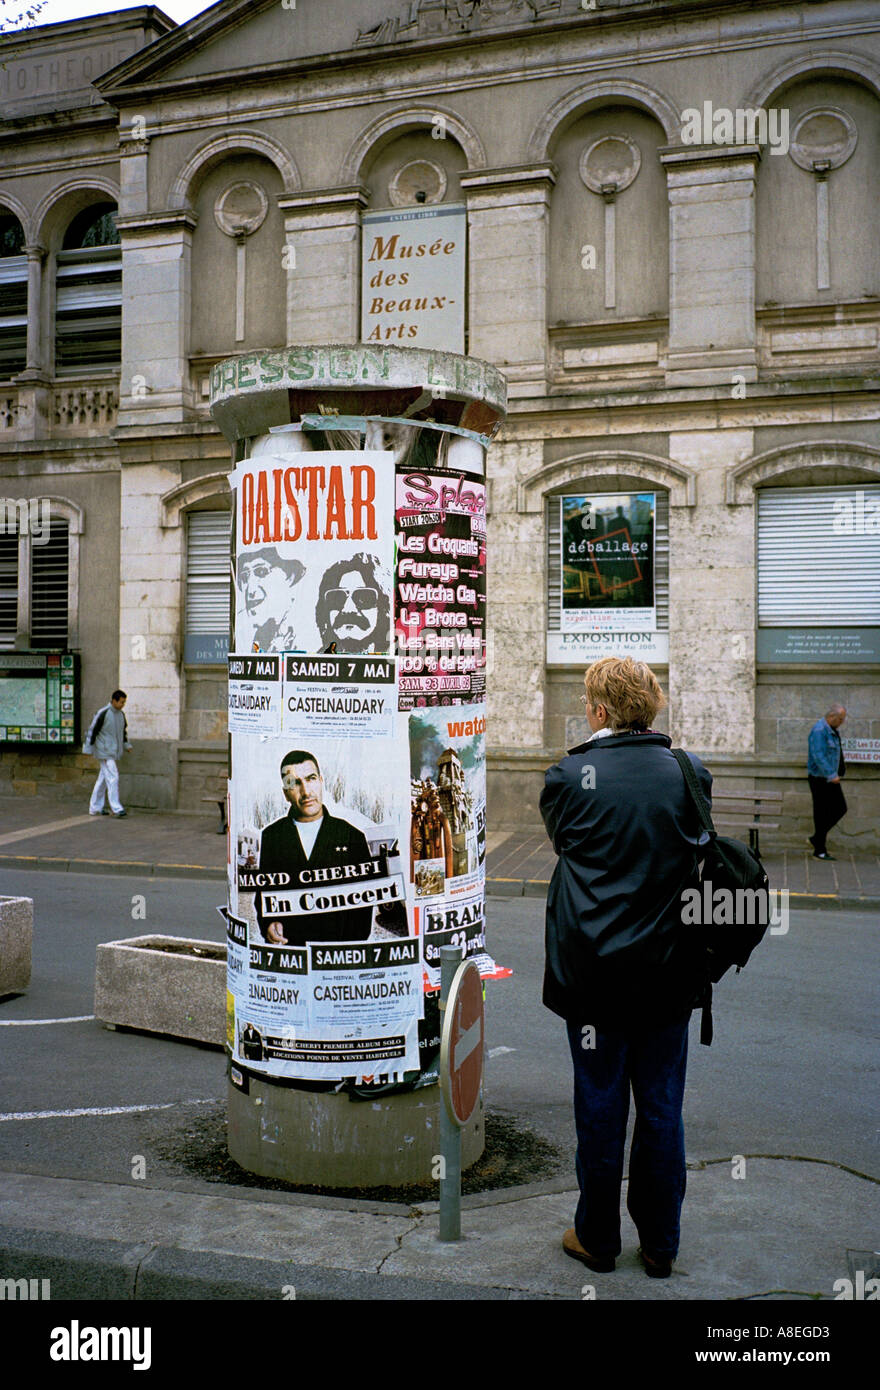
column 609, row 257
column 88, row 294
column 816, row 237
column 13, row 297
column 607, row 567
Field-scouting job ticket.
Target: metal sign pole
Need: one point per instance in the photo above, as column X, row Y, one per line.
column 450, row 1132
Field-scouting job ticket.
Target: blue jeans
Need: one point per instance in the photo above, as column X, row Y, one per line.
column 653, row 1061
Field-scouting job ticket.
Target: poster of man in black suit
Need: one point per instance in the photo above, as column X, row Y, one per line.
column 251, row 1044
column 308, row 838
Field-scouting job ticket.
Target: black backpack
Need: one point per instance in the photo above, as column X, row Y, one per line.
column 733, row 868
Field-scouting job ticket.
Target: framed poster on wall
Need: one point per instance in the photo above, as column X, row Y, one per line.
column 607, row 551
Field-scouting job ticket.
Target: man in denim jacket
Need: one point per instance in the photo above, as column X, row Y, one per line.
column 825, row 767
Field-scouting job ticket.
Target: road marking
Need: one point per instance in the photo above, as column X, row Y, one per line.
column 100, row 1110
column 39, row 1022
column 35, row 830
column 500, row 1051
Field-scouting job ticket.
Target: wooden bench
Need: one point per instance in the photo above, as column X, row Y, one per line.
column 747, row 811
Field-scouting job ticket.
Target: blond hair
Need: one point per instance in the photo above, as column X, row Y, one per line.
column 628, row 689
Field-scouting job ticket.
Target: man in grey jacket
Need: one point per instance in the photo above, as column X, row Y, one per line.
column 106, row 740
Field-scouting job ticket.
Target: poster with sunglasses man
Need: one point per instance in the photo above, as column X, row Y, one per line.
column 353, row 611
column 314, row 535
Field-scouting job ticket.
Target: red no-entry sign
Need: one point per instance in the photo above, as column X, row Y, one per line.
column 461, row 1043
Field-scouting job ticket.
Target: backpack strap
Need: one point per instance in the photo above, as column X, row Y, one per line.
column 695, row 790
column 705, row 815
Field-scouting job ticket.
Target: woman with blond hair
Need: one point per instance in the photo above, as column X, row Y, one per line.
column 621, row 968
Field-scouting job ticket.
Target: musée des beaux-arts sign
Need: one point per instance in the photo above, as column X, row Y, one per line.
column 413, row 275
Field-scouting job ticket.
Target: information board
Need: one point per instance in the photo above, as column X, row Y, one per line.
column 39, row 697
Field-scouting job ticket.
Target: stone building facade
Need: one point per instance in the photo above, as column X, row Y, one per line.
column 671, row 254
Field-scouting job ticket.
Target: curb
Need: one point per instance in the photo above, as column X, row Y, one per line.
column 537, row 888
column 517, row 887
column 96, row 1270
column 133, row 867
column 821, row 900
column 495, row 887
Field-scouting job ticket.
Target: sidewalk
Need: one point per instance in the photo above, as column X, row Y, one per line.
column 46, row 834
column 521, row 863
column 793, row 1229
column 57, row 835
column 789, row 1232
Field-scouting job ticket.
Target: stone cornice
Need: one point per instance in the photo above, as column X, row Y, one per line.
column 325, row 199
column 44, row 124
column 678, row 155
column 147, row 222
column 511, row 176
column 679, row 399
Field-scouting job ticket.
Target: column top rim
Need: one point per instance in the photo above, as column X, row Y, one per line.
column 253, row 391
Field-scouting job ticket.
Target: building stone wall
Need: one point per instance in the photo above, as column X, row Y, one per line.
column 720, row 367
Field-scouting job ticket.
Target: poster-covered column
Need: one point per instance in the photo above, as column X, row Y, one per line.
column 357, row 721
column 325, row 977
column 440, row 616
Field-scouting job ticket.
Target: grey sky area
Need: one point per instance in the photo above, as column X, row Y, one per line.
column 57, row 11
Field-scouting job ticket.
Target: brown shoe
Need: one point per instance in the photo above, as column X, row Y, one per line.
column 655, row 1269
column 572, row 1246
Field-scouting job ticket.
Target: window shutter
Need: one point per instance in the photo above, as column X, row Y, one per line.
column 207, row 573
column 50, row 581
column 13, row 315
column 818, row 561
column 8, row 589
column 88, row 309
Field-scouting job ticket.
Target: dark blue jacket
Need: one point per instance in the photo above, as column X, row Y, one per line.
column 627, row 835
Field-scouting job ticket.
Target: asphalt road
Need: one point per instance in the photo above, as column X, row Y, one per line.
column 789, row 1072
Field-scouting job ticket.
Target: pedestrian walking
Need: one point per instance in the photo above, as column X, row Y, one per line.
column 826, row 766
column 106, row 739
column 622, row 968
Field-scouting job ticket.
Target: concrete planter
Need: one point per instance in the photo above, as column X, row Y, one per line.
column 163, row 984
column 16, row 934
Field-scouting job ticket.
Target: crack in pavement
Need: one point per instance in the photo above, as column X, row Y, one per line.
column 415, row 1218
column 698, row 1164
column 766, row 1293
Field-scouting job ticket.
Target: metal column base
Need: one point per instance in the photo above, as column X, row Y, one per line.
column 330, row 1141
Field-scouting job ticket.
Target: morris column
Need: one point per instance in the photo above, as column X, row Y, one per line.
column 357, row 689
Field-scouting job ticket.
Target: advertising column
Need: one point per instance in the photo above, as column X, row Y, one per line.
column 357, row 716
column 326, row 984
